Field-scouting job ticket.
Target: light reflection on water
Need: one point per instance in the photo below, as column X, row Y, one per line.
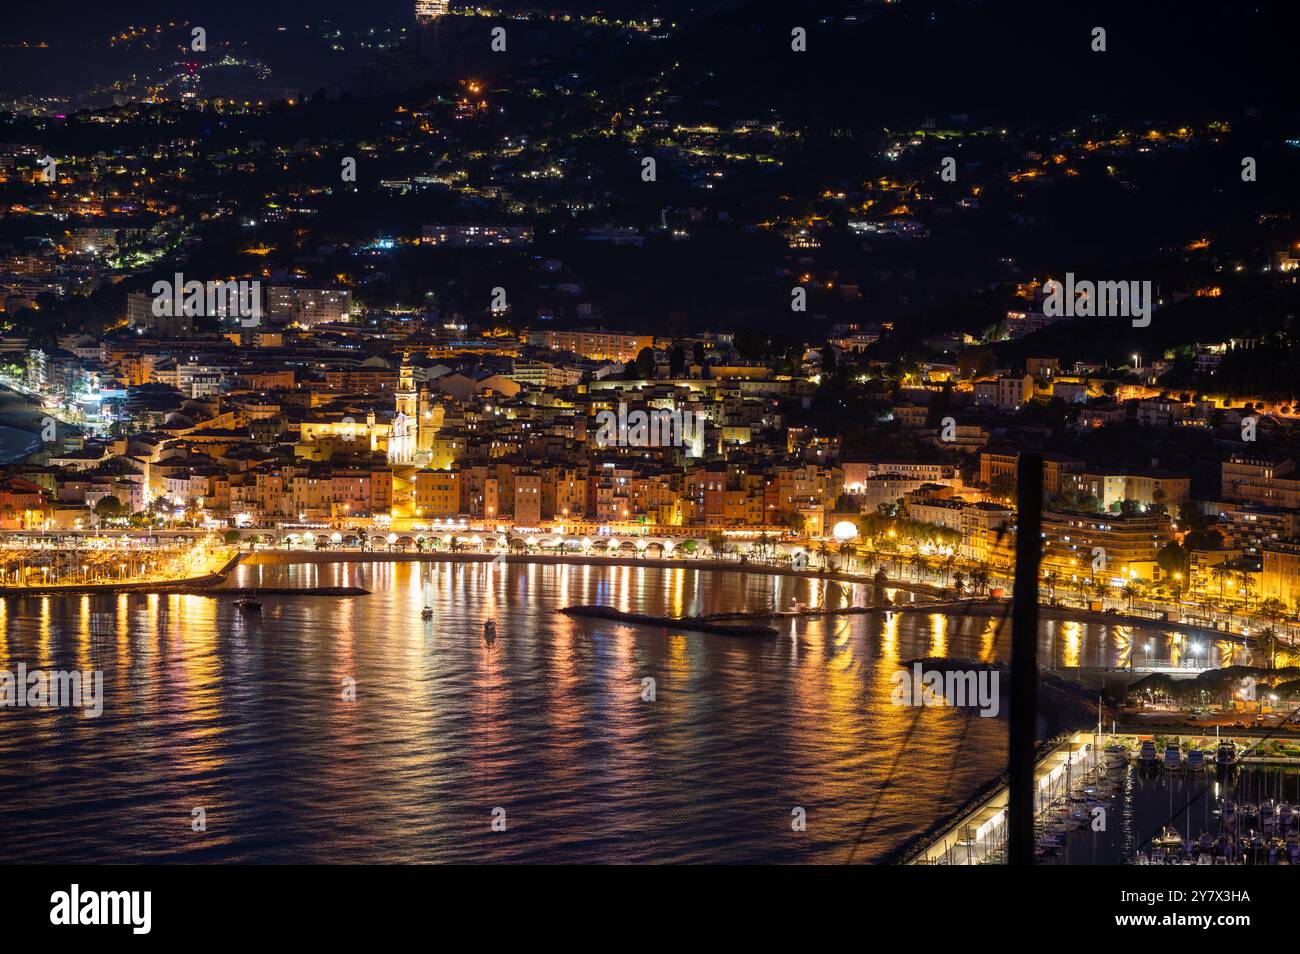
column 246, row 718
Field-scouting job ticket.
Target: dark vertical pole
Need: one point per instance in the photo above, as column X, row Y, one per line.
column 1024, row 659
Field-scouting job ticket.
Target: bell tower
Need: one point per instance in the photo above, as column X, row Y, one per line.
column 405, row 395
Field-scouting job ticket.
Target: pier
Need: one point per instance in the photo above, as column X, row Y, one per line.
column 978, row 834
column 699, row 624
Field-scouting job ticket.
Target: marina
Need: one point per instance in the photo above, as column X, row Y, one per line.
column 1122, row 798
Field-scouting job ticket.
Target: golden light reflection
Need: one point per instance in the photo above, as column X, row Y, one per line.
column 1071, row 639
column 43, row 635
column 1228, row 651
column 151, row 620
column 124, row 654
column 196, row 676
column 83, row 634
column 1123, row 638
column 676, row 589
column 842, row 647
column 889, row 640
column 938, row 635
column 989, row 639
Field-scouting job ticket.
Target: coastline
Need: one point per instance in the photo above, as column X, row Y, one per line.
column 931, row 598
column 934, row 601
column 207, row 583
column 20, row 426
column 280, row 557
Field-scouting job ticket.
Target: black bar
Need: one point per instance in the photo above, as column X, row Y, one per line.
column 1024, row 660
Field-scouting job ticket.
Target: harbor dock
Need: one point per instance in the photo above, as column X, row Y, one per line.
column 976, row 834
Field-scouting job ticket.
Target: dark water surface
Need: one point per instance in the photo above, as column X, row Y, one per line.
column 1189, row 803
column 246, row 719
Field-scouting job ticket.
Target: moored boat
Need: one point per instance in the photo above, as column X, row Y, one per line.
column 1168, row 839
column 1147, row 756
column 1173, row 760
column 1225, row 759
column 1229, row 813
column 1116, row 755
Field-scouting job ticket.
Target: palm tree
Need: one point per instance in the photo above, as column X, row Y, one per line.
column 717, row 542
column 1131, row 591
column 1244, row 581
column 959, row 582
column 920, row 564
column 979, row 578
column 1101, row 589
column 823, row 550
column 1049, row 580
column 1220, row 573
column 949, row 565
column 1271, row 610
column 846, row 553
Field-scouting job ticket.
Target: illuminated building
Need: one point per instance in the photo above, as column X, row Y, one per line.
column 427, row 11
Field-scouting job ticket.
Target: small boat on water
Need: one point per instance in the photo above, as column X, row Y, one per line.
column 1225, row 759
column 1225, row 848
column 248, row 604
column 426, row 613
column 1195, row 761
column 490, row 632
column 1168, row 839
column 1050, row 842
column 1255, row 851
column 1205, row 844
column 1229, row 813
column 1173, row 760
column 1285, row 815
column 1147, row 756
column 1116, row 755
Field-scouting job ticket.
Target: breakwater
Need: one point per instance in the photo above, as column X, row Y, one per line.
column 699, row 624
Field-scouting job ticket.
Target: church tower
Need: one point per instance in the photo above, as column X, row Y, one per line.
column 402, row 437
column 405, row 395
